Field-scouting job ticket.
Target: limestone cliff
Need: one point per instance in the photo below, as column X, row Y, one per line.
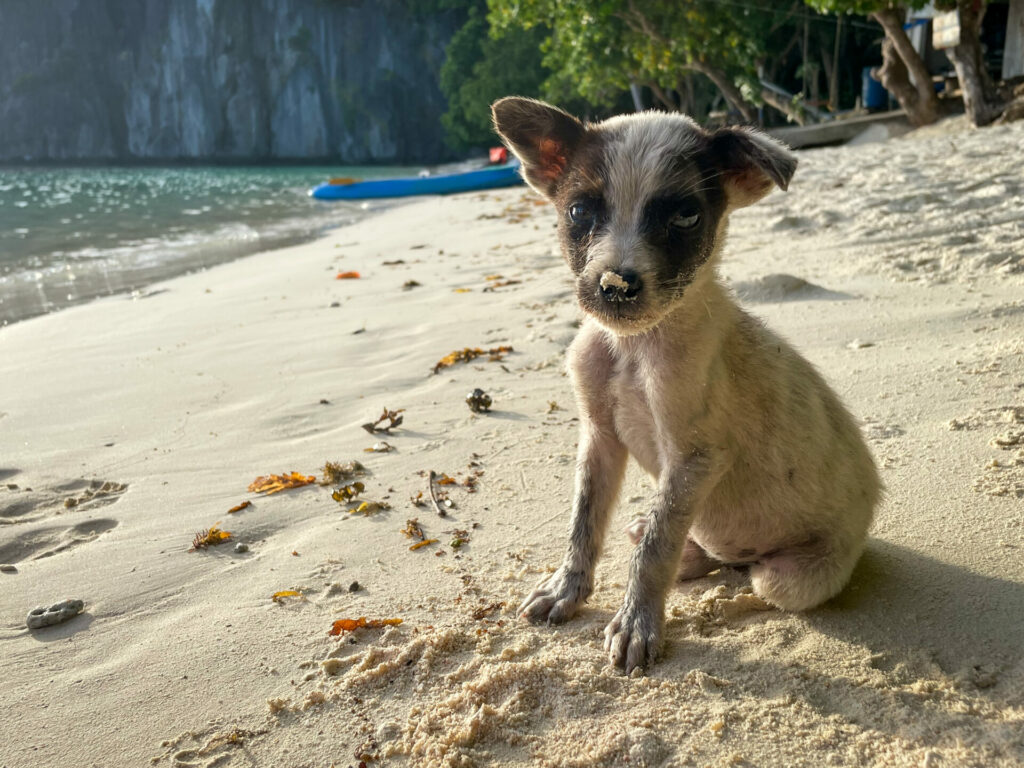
column 349, row 81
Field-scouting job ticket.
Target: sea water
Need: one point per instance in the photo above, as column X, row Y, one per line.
column 68, row 235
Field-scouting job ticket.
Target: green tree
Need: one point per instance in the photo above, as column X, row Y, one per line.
column 600, row 47
column 481, row 67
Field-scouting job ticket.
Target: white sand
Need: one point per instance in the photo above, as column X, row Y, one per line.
column 909, row 266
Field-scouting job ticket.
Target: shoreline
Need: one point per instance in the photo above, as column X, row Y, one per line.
column 885, row 278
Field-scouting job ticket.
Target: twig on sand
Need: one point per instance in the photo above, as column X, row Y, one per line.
column 441, row 511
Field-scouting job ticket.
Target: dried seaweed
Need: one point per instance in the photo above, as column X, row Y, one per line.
column 278, row 597
column 350, row 625
column 491, row 287
column 413, row 529
column 394, row 418
column 495, row 354
column 424, row 543
column 367, row 508
column 336, row 472
column 352, row 275
column 486, row 610
column 240, row 507
column 211, row 537
column 348, row 492
column 269, row 484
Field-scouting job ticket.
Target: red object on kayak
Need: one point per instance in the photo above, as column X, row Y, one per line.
column 499, row 155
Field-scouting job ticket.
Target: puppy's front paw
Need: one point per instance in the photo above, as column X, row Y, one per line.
column 632, row 637
column 557, row 598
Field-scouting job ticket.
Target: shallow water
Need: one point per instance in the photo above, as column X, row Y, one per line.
column 71, row 234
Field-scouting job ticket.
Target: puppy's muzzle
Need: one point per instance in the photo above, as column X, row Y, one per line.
column 621, row 285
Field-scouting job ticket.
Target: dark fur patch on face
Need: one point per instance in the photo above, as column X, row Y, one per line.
column 646, row 201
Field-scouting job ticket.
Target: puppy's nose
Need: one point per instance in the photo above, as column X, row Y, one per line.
column 620, row 285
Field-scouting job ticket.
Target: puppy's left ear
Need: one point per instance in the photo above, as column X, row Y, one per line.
column 751, row 163
column 542, row 136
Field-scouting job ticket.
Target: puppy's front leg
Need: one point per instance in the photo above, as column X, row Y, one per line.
column 601, row 463
column 633, row 636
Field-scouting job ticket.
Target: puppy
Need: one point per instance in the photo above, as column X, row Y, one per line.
column 756, row 460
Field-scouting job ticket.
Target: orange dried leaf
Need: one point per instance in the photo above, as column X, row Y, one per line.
column 347, row 276
column 277, row 596
column 446, row 480
column 423, row 543
column 463, row 290
column 275, row 483
column 493, row 277
column 240, row 507
column 350, row 625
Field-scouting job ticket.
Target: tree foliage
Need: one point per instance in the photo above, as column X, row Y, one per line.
column 597, row 48
column 479, row 68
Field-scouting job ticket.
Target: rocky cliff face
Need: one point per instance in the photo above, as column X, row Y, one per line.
column 351, row 81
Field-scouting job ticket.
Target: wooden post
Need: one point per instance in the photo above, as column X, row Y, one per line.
column 833, row 84
column 1013, row 55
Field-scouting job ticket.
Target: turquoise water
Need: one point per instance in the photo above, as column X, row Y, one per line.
column 70, row 235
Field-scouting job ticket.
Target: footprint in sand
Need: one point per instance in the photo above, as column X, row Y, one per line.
column 22, row 505
column 45, row 542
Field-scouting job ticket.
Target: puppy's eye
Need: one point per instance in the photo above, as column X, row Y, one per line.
column 684, row 220
column 580, row 213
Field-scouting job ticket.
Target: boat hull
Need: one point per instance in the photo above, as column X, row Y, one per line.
column 470, row 181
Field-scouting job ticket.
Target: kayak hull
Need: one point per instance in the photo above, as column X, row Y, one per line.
column 469, row 181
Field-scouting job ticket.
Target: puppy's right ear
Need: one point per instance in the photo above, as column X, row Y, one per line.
column 543, row 137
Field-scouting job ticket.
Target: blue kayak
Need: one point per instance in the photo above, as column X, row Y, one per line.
column 468, row 181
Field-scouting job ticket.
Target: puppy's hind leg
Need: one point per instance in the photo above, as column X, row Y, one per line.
column 693, row 563
column 801, row 577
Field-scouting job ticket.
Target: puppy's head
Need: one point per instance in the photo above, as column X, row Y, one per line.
column 642, row 199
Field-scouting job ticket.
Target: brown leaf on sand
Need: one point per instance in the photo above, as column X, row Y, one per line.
column 269, row 484
column 211, row 537
column 347, row 276
column 278, row 597
column 424, row 543
column 350, row 625
column 240, row 507
column 496, row 354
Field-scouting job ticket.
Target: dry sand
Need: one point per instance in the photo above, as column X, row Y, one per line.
column 897, row 268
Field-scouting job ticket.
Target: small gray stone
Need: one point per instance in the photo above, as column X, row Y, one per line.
column 55, row 614
column 8, row 568
column 241, row 547
column 354, row 587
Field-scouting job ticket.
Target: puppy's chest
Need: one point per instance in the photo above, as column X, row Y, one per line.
column 644, row 420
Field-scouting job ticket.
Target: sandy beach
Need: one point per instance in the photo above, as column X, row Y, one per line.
column 130, row 423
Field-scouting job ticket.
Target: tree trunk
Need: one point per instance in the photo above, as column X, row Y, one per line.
column 663, row 97
column 904, row 73
column 728, row 89
column 980, row 100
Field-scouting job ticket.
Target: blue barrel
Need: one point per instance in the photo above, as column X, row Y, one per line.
column 872, row 92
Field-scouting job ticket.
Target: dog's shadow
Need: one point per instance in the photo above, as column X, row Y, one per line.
column 900, row 602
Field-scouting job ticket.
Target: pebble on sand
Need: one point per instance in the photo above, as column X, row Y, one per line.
column 8, row 568
column 55, row 614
